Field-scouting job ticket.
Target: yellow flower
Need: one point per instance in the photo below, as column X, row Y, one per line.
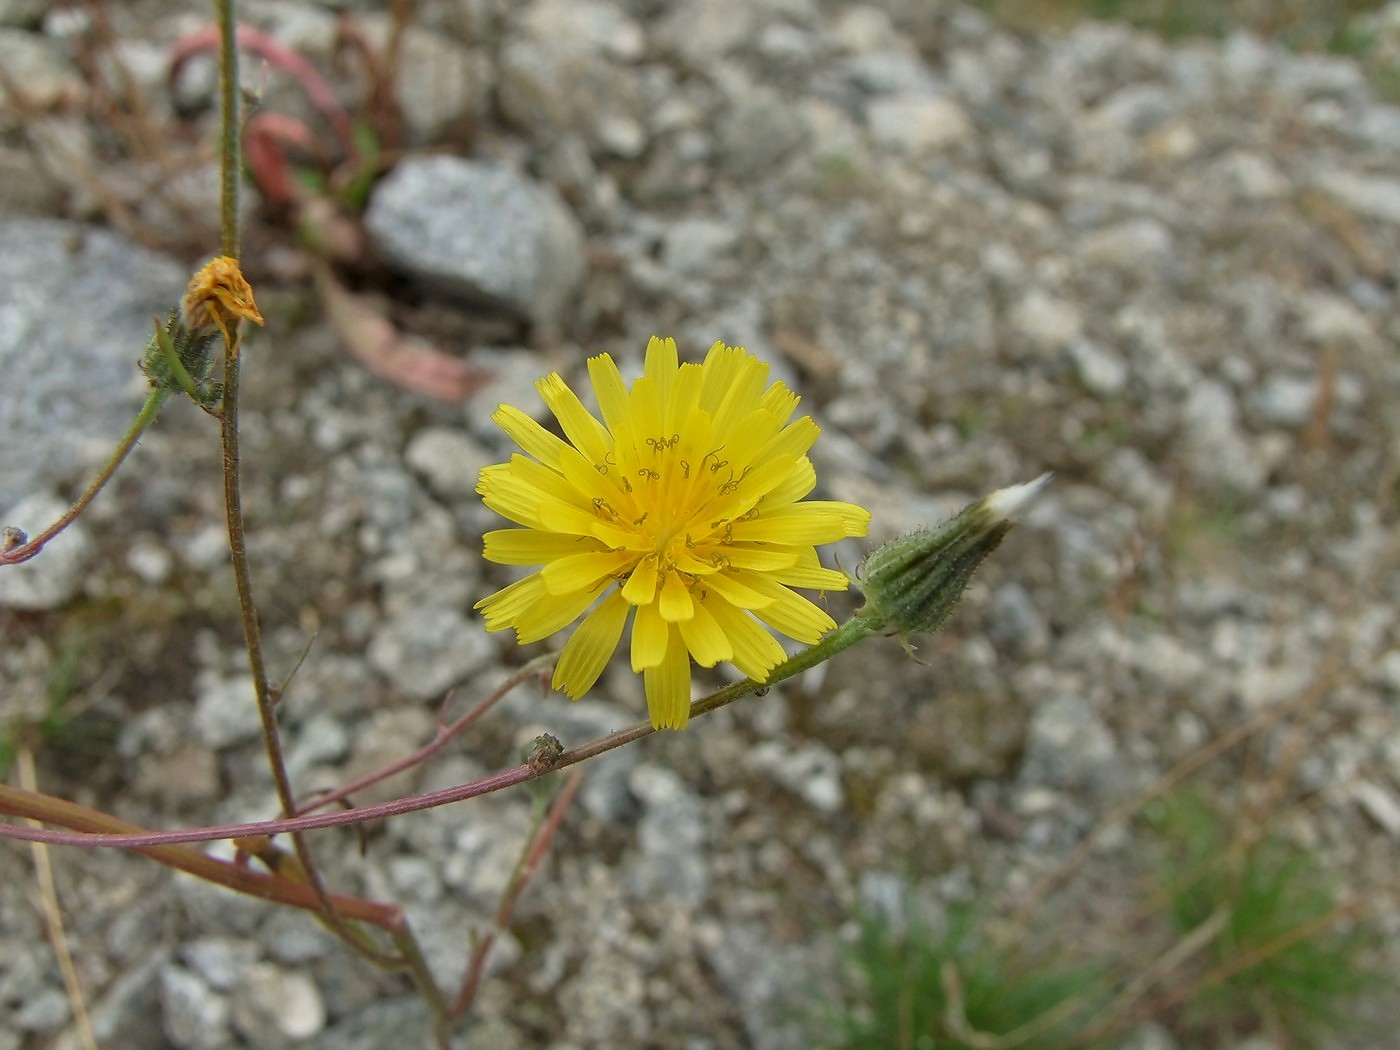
column 685, row 504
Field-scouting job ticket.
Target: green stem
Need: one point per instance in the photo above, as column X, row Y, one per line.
column 143, row 419
column 230, row 162
column 854, row 630
column 417, row 966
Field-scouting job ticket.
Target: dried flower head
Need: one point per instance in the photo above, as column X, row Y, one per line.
column 217, row 296
column 684, row 504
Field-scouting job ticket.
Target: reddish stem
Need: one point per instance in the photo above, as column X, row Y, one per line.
column 444, row 734
column 256, row 42
column 534, row 854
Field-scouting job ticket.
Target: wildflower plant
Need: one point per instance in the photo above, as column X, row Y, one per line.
column 683, row 510
column 679, row 510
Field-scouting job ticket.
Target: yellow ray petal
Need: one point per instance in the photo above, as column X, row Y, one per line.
column 794, row 440
column 640, row 588
column 591, row 646
column 759, row 558
column 796, row 617
column 668, row 686
column 533, row 546
column 676, row 604
column 703, row 637
column 812, row 577
column 661, row 364
column 583, row 431
column 534, row 439
column 609, row 389
column 649, row 635
column 583, row 571
column 799, row 483
column 781, row 401
column 815, row 521
column 501, row 609
column 555, row 612
column 737, row 593
column 756, row 652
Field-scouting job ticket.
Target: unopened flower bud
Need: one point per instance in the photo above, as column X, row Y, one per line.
column 912, row 583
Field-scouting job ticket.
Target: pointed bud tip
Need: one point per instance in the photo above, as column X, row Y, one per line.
column 1008, row 503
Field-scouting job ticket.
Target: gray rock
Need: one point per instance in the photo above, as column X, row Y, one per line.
column 1102, row 372
column 442, row 86
column 386, row 737
column 225, row 711
column 127, row 1013
column 1070, row 747
column 1330, row 320
column 1138, row 248
column 1212, row 441
column 1282, row 400
column 218, row 961
column 479, row 231
column 670, row 839
column 391, row 1022
column 1379, row 126
column 273, row 1006
column 321, row 739
column 189, row 775
column 810, row 771
column 1149, row 1036
column 1015, row 623
column 698, row 246
column 193, row 1015
column 1379, row 803
column 757, row 130
column 703, row 31
column 42, row 1011
column 566, row 70
column 448, row 459
column 55, row 575
column 861, row 28
column 1046, row 322
column 423, row 652
column 485, row 850
column 1370, row 196
column 25, row 188
column 1253, row 176
column 917, row 123
column 22, row 14
column 514, row 372
column 76, row 305
column 40, row 69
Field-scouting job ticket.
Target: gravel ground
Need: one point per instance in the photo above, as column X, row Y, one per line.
column 1166, row 273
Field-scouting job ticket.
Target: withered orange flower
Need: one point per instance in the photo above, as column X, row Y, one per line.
column 217, row 296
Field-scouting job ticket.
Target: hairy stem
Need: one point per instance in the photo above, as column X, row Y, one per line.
column 230, row 169
column 230, row 162
column 144, row 418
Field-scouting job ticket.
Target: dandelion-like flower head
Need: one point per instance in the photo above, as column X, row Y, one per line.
column 684, row 503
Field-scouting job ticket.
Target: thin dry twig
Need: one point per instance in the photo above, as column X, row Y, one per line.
column 53, row 915
column 534, row 853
